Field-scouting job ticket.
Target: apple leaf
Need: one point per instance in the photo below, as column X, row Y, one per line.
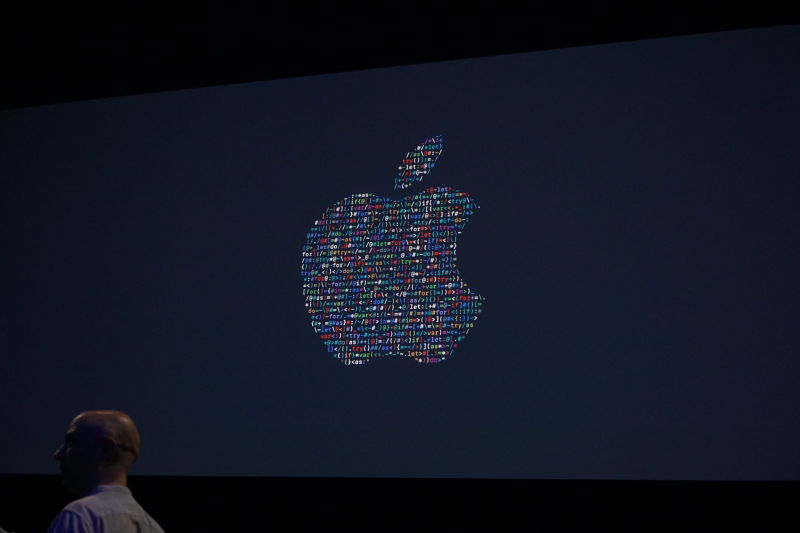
column 418, row 162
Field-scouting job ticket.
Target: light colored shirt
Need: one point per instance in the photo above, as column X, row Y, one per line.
column 107, row 509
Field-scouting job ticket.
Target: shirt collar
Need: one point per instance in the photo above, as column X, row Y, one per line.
column 109, row 488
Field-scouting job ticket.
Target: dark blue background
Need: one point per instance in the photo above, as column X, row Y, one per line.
column 637, row 246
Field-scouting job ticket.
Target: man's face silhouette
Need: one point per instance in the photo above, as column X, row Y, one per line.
column 80, row 456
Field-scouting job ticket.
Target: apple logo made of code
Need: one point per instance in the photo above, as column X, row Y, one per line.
column 380, row 277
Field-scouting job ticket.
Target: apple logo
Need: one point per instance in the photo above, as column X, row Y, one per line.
column 380, row 277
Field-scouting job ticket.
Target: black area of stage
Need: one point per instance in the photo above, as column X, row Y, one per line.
column 68, row 53
column 29, row 503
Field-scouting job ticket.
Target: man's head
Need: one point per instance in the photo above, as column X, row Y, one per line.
column 99, row 448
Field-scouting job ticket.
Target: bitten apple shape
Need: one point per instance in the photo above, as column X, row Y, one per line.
column 380, row 276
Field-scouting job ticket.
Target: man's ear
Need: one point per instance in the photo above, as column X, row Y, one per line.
column 108, row 450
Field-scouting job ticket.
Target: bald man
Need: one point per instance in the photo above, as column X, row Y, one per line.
column 98, row 451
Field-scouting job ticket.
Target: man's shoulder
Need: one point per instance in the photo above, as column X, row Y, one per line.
column 103, row 499
column 107, row 505
column 71, row 521
column 83, row 514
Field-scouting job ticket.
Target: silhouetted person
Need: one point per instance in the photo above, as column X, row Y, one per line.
column 99, row 448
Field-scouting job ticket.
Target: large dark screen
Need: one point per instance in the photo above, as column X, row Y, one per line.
column 635, row 250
